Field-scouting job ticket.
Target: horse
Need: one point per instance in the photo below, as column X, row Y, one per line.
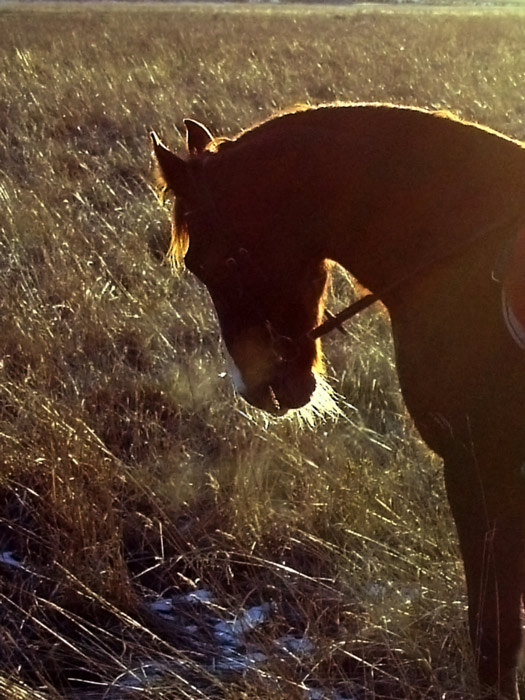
column 422, row 208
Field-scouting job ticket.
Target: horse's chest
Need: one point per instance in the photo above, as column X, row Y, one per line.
column 433, row 392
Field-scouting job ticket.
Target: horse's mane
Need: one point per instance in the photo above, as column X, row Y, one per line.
column 274, row 120
column 179, row 236
column 302, row 114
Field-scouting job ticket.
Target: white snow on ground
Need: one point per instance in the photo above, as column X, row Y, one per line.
column 231, row 631
column 234, row 654
column 9, row 559
column 201, row 595
column 162, row 605
column 296, row 645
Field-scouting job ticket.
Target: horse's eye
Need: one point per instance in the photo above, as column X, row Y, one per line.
column 231, row 263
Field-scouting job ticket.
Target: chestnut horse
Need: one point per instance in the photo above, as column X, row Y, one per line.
column 420, row 207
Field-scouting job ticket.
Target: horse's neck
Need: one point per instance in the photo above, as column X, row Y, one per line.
column 367, row 202
column 464, row 278
column 384, row 208
column 391, row 271
column 388, row 247
column 381, row 256
column 338, row 210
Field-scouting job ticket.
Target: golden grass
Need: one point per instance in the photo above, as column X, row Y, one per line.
column 128, row 468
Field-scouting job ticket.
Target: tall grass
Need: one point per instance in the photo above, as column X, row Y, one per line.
column 128, row 468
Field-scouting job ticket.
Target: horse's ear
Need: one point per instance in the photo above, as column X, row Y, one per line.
column 197, row 136
column 172, row 169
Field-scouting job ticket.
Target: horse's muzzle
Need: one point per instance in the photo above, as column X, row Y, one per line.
column 283, row 394
column 273, row 374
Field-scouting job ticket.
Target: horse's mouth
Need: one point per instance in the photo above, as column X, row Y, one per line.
column 282, row 395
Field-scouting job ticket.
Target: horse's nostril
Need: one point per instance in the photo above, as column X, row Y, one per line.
column 265, row 398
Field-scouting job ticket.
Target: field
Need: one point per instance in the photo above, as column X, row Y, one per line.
column 130, row 473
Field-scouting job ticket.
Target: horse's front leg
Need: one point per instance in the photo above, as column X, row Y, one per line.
column 493, row 548
column 494, row 584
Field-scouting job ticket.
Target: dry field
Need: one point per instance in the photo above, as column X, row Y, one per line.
column 130, row 473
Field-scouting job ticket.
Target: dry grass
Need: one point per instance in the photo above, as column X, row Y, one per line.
column 128, row 468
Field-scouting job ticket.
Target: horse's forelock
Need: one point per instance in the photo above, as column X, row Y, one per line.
column 179, row 236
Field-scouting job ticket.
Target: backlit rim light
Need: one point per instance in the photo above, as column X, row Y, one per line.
column 322, row 406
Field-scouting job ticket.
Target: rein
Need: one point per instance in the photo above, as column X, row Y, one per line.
column 333, row 323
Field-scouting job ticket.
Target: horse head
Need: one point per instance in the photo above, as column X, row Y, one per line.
column 267, row 288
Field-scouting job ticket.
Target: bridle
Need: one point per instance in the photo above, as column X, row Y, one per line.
column 333, row 323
